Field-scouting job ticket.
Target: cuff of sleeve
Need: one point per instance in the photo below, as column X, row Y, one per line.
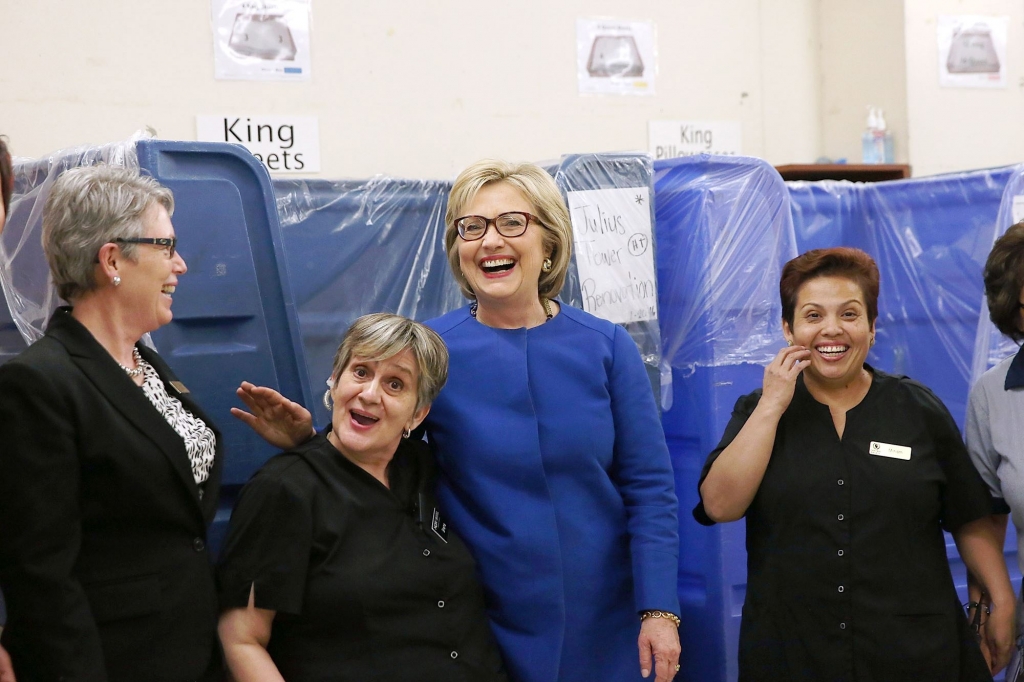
column 654, row 578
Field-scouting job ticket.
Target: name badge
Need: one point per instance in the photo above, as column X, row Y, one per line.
column 439, row 526
column 887, row 450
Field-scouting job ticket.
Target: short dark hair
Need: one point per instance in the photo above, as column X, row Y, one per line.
column 840, row 261
column 6, row 175
column 1004, row 279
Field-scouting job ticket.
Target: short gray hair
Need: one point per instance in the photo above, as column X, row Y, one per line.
column 88, row 207
column 379, row 336
column 537, row 187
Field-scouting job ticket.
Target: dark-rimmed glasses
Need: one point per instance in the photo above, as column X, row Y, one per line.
column 168, row 243
column 511, row 224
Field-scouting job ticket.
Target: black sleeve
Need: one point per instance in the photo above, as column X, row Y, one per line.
column 740, row 414
column 965, row 497
column 52, row 633
column 268, row 543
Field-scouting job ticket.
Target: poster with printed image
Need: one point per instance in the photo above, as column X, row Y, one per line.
column 614, row 253
column 261, row 39
column 972, row 51
column 615, row 57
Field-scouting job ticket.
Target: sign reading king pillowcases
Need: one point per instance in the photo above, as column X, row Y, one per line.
column 614, row 253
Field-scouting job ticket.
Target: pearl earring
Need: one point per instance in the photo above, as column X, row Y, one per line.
column 117, row 280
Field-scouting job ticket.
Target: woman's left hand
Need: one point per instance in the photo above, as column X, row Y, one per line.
column 659, row 641
column 279, row 421
column 998, row 635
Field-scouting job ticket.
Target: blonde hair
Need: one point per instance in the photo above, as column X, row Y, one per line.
column 379, row 336
column 539, row 189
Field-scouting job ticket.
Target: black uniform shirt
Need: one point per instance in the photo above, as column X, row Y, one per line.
column 363, row 590
column 847, row 575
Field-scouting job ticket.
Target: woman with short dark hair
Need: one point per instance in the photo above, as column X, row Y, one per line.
column 6, row 182
column 847, row 477
column 995, row 410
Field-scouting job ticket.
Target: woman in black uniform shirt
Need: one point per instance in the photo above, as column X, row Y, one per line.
column 337, row 564
column 847, row 476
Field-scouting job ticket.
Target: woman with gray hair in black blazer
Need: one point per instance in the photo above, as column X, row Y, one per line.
column 109, row 471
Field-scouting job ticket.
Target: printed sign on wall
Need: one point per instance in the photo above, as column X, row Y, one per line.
column 614, row 253
column 972, row 51
column 284, row 144
column 669, row 139
column 261, row 39
column 615, row 57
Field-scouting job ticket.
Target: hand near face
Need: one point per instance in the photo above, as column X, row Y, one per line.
column 780, row 376
column 281, row 422
column 659, row 644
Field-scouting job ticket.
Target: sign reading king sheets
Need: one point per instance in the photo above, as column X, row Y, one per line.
column 284, row 144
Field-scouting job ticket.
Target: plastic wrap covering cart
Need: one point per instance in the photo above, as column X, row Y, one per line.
column 723, row 232
column 990, row 345
column 233, row 318
column 360, row 246
column 930, row 237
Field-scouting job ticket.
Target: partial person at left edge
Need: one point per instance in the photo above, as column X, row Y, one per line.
column 6, row 189
column 109, row 472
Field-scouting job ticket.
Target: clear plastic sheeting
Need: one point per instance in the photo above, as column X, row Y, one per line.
column 578, row 172
column 990, row 346
column 724, row 232
column 30, row 297
column 359, row 246
column 930, row 237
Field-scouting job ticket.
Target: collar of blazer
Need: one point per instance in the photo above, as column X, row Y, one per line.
column 110, row 380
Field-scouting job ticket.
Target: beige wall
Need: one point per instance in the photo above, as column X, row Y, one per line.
column 414, row 89
column 962, row 128
column 862, row 64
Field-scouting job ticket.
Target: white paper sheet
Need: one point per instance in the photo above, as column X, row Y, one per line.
column 972, row 51
column 614, row 253
column 261, row 39
column 615, row 57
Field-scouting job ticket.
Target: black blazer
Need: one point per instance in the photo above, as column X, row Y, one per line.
column 103, row 560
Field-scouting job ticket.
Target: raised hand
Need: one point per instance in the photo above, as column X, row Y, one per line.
column 281, row 422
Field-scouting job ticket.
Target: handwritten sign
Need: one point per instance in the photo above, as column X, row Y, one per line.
column 614, row 253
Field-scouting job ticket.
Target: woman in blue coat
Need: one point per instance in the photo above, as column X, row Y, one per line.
column 554, row 462
column 554, row 468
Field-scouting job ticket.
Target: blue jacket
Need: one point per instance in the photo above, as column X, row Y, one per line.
column 555, row 472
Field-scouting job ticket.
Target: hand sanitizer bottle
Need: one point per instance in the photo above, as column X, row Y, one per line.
column 887, row 155
column 869, row 147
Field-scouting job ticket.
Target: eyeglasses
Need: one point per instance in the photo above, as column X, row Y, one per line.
column 169, row 243
column 511, row 224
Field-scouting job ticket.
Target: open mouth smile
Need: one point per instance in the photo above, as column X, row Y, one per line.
column 832, row 351
column 495, row 266
column 168, row 289
column 363, row 419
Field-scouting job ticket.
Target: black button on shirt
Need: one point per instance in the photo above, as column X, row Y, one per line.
column 851, row 582
column 340, row 558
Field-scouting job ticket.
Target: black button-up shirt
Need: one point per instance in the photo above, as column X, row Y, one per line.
column 363, row 586
column 847, row 576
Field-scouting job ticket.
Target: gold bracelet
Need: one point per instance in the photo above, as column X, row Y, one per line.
column 660, row 614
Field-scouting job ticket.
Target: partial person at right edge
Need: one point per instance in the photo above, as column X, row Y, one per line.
column 995, row 420
column 847, row 477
